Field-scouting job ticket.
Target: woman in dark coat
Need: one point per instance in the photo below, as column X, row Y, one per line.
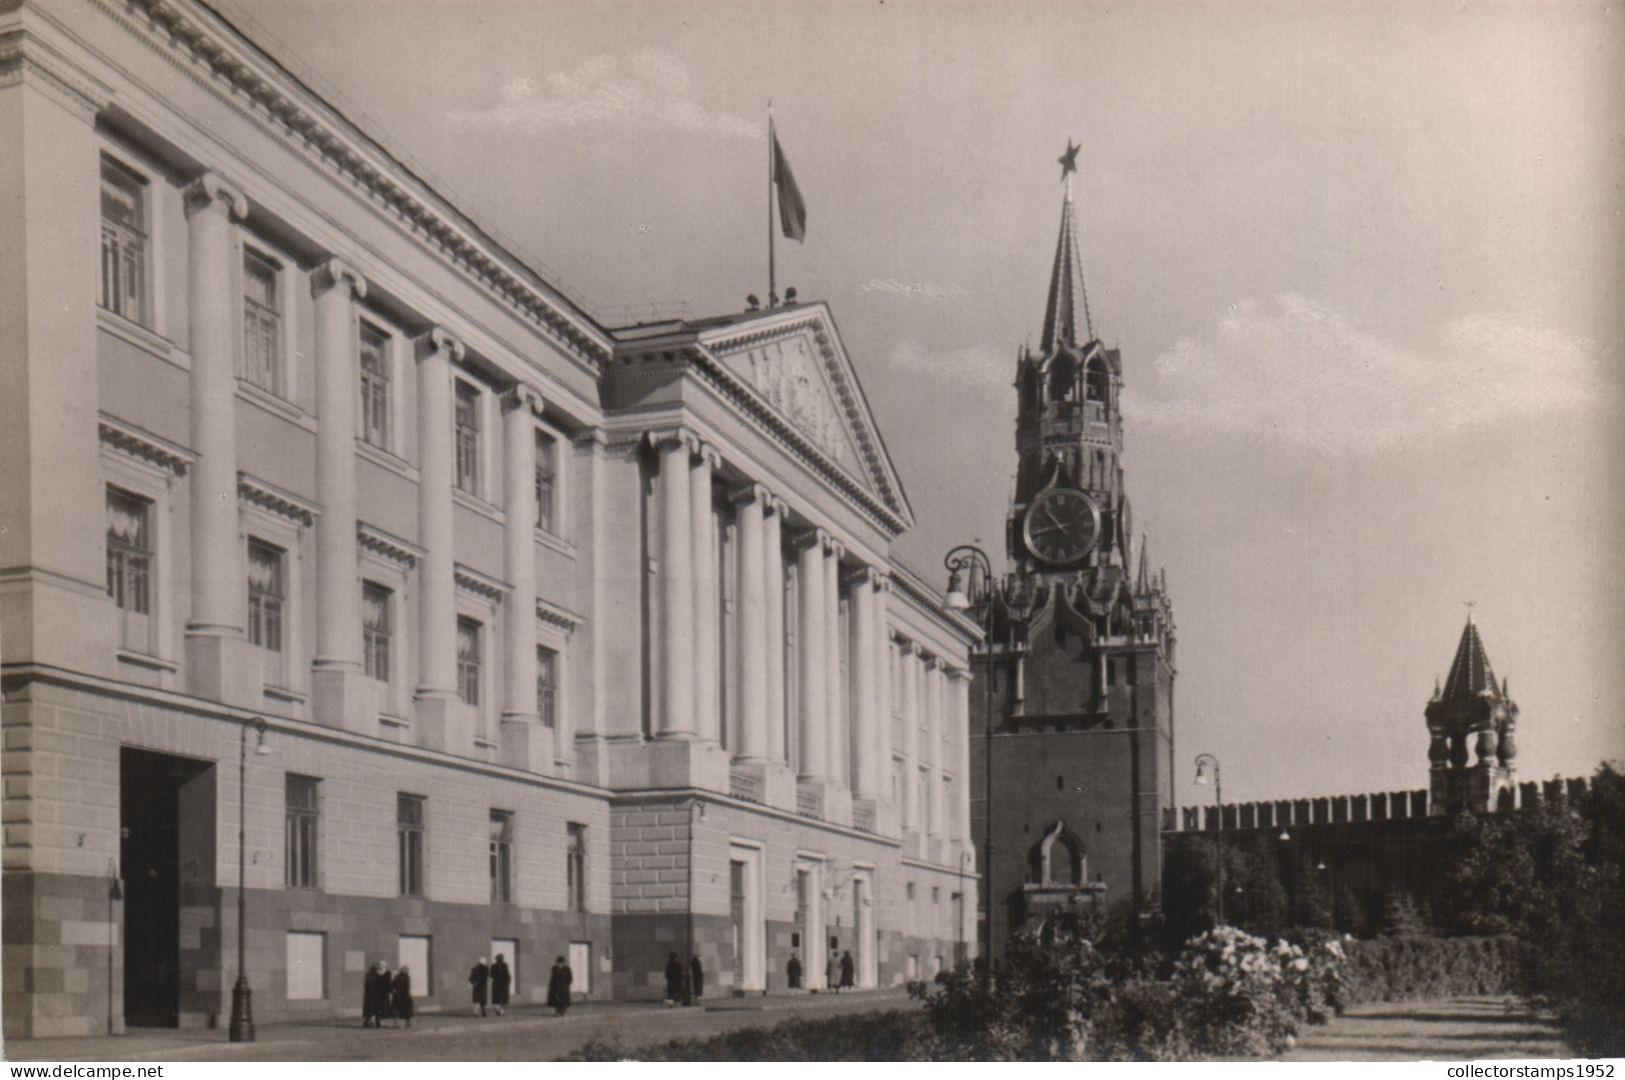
column 479, row 980
column 674, row 980
column 375, row 995
column 501, row 980
column 697, row 974
column 846, row 970
column 793, row 970
column 400, row 996
column 558, row 986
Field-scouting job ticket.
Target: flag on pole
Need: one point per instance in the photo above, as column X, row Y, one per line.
column 792, row 211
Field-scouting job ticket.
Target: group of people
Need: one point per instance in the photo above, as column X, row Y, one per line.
column 386, row 995
column 491, row 984
column 674, row 980
column 841, row 974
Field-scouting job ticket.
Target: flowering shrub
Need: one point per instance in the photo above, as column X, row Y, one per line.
column 1242, row 996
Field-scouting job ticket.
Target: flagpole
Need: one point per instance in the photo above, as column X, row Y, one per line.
column 772, row 290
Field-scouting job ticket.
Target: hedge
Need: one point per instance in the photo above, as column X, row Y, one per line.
column 1407, row 968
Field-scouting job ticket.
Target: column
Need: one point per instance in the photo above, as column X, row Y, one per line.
column 835, row 725
column 752, row 673
column 865, row 708
column 881, row 737
column 814, row 678
column 773, row 598
column 961, row 697
column 336, row 680
column 702, row 520
column 525, row 743
column 676, row 591
column 933, row 733
column 220, row 663
column 909, row 672
column 437, row 587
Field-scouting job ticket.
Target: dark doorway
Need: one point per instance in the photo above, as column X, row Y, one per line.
column 158, row 854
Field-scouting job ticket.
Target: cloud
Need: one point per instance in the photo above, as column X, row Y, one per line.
column 979, row 367
column 650, row 87
column 1301, row 373
column 914, row 290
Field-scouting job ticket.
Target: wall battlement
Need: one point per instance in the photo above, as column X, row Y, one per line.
column 1343, row 809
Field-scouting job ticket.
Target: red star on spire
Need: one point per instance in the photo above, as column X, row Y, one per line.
column 1069, row 160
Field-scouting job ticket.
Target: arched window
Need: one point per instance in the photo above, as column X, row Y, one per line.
column 1063, row 379
column 1099, row 383
column 1060, row 857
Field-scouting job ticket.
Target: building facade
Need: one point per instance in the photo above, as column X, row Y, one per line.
column 1078, row 719
column 354, row 571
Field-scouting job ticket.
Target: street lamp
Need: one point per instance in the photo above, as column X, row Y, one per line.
column 1205, row 762
column 967, row 560
column 242, row 998
column 696, row 813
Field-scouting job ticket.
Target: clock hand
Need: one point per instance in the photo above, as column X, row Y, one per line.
column 1053, row 520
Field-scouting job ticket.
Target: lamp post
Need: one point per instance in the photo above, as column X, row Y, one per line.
column 242, row 998
column 696, row 813
column 968, row 559
column 1204, row 762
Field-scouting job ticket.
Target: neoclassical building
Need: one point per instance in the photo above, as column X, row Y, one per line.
column 356, row 577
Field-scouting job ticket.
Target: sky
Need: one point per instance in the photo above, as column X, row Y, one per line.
column 1363, row 261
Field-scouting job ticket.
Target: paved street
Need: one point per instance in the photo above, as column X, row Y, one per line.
column 527, row 1035
column 1461, row 1029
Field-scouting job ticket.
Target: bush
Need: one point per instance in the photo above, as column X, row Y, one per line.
column 1406, row 968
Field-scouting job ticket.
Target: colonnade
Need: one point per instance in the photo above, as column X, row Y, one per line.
column 217, row 661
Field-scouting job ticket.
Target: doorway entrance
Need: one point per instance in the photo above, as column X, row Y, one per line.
column 167, row 855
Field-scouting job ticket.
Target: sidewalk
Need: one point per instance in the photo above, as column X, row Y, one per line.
column 165, row 1044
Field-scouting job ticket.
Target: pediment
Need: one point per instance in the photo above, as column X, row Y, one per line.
column 795, row 364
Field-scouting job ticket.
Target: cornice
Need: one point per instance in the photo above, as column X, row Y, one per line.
column 273, row 499
column 481, row 585
column 553, row 615
column 388, row 546
column 24, row 57
column 252, row 81
column 144, row 446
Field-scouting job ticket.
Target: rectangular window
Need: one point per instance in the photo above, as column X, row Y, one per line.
column 547, row 482
column 936, row 894
column 375, row 385
column 575, row 867
column 302, row 818
column 468, row 438
column 267, row 595
column 908, row 890
column 409, row 825
column 262, row 324
column 130, row 566
column 124, row 243
column 547, row 684
column 305, row 955
column 468, row 661
column 501, row 857
column 377, row 629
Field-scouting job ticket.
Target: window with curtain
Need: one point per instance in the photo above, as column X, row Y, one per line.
column 547, row 477
column 267, row 596
column 575, row 866
column 547, row 684
column 377, row 629
column 468, row 661
column 302, row 820
column 124, row 243
column 262, row 324
column 409, row 829
column 375, row 387
column 468, row 438
column 130, row 567
column 501, row 850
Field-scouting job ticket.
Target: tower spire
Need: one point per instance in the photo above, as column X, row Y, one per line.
column 1067, row 293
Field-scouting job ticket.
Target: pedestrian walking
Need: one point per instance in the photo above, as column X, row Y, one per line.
column 558, row 986
column 848, row 970
column 832, row 973
column 400, row 996
column 696, row 974
column 375, row 995
column 479, row 981
column 674, row 980
column 501, row 982
column 793, row 971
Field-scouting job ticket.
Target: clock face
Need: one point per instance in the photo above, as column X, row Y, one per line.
column 1061, row 526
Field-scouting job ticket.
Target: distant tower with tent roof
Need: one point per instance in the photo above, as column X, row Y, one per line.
column 1470, row 723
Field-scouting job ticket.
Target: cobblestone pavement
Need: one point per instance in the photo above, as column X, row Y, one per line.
column 1459, row 1029
column 528, row 1034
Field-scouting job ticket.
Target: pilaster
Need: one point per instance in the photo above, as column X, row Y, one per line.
column 773, row 599
column 676, row 720
column 526, row 744
column 436, row 696
column 703, row 523
column 814, row 749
